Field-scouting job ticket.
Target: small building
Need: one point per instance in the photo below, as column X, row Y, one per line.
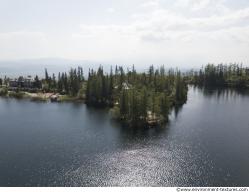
column 13, row 83
column 22, row 82
column 125, row 86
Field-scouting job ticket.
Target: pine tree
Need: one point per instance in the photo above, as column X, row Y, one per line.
column 144, row 103
column 46, row 75
column 164, row 107
column 124, row 107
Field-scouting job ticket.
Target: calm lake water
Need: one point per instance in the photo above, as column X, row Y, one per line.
column 49, row 144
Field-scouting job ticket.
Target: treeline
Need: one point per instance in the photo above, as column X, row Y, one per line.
column 65, row 83
column 99, row 89
column 4, row 81
column 137, row 98
column 232, row 75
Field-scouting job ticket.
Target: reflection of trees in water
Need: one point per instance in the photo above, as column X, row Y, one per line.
column 177, row 110
column 127, row 133
column 144, row 134
column 77, row 105
column 222, row 92
column 98, row 115
column 139, row 134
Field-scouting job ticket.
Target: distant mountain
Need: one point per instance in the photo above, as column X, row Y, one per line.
column 36, row 66
column 25, row 67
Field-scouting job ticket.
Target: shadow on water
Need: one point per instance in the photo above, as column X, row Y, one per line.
column 176, row 110
column 221, row 92
column 137, row 134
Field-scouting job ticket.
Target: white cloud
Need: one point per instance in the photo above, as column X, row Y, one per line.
column 205, row 30
column 153, row 33
column 111, row 10
column 163, row 24
column 211, row 6
column 151, row 4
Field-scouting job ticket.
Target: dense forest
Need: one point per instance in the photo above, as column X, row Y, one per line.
column 66, row 83
column 134, row 98
column 232, row 75
column 137, row 99
column 69, row 84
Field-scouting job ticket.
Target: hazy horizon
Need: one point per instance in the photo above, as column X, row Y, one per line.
column 33, row 67
column 25, row 67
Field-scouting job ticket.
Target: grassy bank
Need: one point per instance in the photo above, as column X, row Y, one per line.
column 38, row 96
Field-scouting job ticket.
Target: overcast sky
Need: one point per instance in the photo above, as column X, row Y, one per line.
column 176, row 32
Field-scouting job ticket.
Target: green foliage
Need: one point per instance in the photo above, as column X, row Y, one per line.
column 17, row 94
column 180, row 89
column 138, row 98
column 37, row 83
column 99, row 88
column 233, row 75
column 3, row 91
column 164, row 106
column 69, row 84
column 123, row 104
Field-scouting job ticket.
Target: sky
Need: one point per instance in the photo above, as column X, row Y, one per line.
column 175, row 32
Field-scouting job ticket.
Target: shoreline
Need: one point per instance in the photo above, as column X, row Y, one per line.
column 40, row 96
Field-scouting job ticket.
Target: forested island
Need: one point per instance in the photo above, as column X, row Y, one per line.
column 136, row 99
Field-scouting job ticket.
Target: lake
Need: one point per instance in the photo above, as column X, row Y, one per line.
column 67, row 144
